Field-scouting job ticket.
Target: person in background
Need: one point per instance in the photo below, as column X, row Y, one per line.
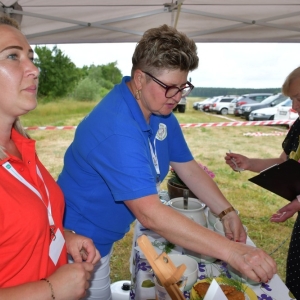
column 33, row 242
column 121, row 153
column 291, row 150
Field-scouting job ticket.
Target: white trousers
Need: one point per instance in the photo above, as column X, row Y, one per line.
column 100, row 281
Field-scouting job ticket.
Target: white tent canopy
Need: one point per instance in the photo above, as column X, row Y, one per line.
column 114, row 21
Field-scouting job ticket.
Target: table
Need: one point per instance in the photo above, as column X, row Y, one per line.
column 142, row 287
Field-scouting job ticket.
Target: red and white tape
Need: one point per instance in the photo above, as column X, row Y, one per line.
column 218, row 124
column 229, row 124
column 50, row 127
column 274, row 133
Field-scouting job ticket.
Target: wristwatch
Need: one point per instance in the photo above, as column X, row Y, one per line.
column 225, row 212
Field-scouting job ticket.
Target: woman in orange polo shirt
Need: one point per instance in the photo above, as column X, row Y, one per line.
column 33, row 243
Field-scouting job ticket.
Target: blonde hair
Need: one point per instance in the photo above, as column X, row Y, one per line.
column 5, row 20
column 286, row 85
column 164, row 48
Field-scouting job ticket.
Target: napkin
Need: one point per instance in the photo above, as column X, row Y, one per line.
column 215, row 292
column 158, row 246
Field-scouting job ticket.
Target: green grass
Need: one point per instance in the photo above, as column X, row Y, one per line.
column 208, row 145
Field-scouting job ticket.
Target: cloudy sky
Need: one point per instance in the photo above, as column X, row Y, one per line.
column 244, row 65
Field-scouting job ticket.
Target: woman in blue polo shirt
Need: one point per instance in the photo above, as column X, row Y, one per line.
column 122, row 151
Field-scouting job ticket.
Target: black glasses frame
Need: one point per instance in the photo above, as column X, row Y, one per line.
column 168, row 87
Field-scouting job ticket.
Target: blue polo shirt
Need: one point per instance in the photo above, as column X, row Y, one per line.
column 109, row 162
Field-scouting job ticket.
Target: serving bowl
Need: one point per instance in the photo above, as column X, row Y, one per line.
column 191, row 272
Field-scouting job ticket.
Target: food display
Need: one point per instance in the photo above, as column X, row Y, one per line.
column 230, row 292
column 233, row 289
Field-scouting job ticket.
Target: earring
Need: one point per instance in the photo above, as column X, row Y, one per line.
column 137, row 94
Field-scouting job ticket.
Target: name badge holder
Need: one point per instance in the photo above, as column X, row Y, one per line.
column 57, row 239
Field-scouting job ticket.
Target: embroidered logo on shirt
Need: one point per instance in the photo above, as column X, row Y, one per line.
column 161, row 132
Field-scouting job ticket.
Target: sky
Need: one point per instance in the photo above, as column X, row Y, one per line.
column 230, row 65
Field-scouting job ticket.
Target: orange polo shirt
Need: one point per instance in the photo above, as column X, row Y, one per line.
column 24, row 224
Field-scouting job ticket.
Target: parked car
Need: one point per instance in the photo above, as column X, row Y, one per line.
column 285, row 113
column 268, row 113
column 181, row 105
column 247, row 99
column 200, row 104
column 273, row 100
column 206, row 106
column 195, row 105
column 232, row 105
column 221, row 105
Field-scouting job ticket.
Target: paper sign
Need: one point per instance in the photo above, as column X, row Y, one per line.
column 215, row 292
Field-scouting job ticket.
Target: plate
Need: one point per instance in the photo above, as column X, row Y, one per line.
column 249, row 293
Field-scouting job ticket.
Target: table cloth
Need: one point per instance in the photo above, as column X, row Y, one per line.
column 142, row 283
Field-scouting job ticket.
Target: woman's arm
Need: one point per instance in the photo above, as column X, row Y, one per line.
column 69, row 282
column 182, row 231
column 253, row 164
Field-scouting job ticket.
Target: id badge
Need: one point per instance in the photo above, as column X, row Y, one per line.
column 56, row 246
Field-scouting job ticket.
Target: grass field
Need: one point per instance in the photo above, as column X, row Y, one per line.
column 208, row 145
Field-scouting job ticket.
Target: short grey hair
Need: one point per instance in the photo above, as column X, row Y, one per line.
column 164, row 48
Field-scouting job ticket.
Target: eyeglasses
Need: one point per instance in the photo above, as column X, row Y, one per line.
column 171, row 91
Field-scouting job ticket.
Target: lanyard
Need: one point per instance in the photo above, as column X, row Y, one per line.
column 154, row 158
column 8, row 167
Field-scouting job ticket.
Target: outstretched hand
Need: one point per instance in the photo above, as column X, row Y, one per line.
column 286, row 212
column 252, row 262
column 237, row 161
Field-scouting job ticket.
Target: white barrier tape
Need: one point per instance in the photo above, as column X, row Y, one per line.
column 50, row 127
column 250, row 123
column 264, row 134
column 218, row 124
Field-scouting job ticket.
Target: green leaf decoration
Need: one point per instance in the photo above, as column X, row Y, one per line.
column 148, row 283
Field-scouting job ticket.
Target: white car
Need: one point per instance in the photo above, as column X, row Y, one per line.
column 221, row 105
column 285, row 113
column 268, row 113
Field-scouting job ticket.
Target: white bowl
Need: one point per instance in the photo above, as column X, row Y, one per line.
column 191, row 271
column 160, row 292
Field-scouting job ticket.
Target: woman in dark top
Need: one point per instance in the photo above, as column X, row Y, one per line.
column 291, row 150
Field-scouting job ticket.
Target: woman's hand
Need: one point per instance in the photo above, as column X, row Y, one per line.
column 237, row 160
column 286, row 212
column 233, row 227
column 81, row 248
column 70, row 281
column 252, row 262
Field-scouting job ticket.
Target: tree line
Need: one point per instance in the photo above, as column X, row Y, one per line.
column 209, row 92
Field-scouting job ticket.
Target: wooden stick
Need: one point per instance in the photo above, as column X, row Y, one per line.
column 163, row 267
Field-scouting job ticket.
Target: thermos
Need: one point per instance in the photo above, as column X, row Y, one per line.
column 120, row 290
